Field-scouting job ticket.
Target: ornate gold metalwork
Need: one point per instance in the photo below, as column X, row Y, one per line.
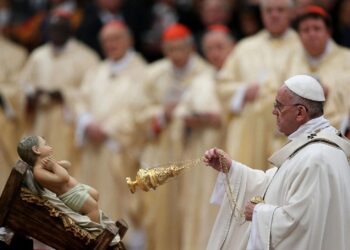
column 257, row 200
column 147, row 179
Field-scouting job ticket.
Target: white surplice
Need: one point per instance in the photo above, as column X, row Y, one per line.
column 305, row 197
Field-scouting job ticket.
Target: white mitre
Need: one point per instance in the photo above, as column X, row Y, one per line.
column 307, row 87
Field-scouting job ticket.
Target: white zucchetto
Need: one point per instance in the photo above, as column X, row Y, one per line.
column 307, row 87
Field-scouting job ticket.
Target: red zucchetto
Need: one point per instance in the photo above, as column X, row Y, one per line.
column 176, row 31
column 314, row 9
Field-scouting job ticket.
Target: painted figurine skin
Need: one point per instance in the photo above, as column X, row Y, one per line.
column 53, row 175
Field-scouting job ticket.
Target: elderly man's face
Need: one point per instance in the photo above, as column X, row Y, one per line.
column 115, row 42
column 314, row 35
column 276, row 16
column 217, row 46
column 178, row 51
column 286, row 111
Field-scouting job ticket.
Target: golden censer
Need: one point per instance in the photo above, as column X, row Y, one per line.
column 147, row 179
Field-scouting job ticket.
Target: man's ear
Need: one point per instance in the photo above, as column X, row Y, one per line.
column 36, row 150
column 302, row 114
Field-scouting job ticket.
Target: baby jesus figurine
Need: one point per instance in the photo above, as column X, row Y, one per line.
column 53, row 175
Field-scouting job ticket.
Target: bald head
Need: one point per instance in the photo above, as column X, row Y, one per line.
column 115, row 39
column 276, row 15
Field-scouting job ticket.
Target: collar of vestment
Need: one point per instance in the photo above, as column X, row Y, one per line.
column 284, row 35
column 117, row 66
column 314, row 131
column 58, row 50
column 180, row 72
column 315, row 61
column 309, row 127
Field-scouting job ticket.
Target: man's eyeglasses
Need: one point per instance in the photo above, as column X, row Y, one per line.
column 277, row 105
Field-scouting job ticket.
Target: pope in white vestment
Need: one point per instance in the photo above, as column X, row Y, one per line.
column 305, row 200
column 301, row 198
column 257, row 65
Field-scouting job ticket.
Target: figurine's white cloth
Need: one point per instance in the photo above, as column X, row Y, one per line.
column 81, row 220
column 76, row 197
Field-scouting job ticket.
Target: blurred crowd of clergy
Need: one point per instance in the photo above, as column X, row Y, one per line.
column 112, row 116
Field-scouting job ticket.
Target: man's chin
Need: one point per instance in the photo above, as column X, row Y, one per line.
column 279, row 130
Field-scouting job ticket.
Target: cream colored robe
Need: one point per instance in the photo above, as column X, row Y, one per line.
column 61, row 71
column 305, row 203
column 112, row 99
column 257, row 59
column 164, row 217
column 12, row 58
column 332, row 70
column 198, row 215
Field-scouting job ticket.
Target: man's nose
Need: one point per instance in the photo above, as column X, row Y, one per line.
column 274, row 111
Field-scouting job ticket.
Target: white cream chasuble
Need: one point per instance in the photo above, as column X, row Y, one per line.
column 305, row 202
column 12, row 59
column 111, row 96
column 332, row 69
column 62, row 70
column 198, row 214
column 165, row 85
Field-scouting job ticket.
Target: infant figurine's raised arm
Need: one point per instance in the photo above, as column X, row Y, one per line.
column 54, row 176
column 66, row 164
